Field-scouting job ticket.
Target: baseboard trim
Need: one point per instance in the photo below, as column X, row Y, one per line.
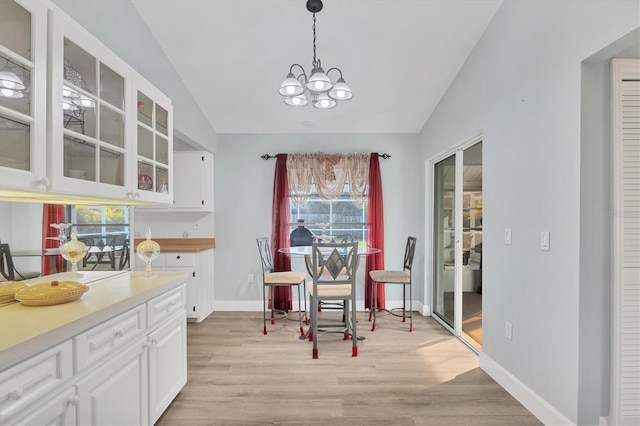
column 540, row 408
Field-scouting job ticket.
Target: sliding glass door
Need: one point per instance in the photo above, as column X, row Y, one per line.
column 457, row 242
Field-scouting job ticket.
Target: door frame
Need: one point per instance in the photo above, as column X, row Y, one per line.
column 429, row 233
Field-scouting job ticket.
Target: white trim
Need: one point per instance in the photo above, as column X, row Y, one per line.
column 533, row 402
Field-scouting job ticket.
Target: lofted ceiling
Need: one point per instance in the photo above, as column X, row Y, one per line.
column 398, row 56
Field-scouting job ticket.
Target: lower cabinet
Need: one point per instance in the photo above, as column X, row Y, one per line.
column 126, row 371
column 199, row 265
column 116, row 393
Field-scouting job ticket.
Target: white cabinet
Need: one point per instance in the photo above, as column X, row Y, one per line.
column 116, row 393
column 62, row 410
column 194, row 181
column 75, row 119
column 199, row 290
column 167, row 364
column 23, row 97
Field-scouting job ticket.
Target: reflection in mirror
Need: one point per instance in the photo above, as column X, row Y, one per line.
column 34, row 243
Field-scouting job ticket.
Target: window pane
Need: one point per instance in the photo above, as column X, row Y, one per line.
column 145, row 109
column 79, row 67
column 145, row 143
column 79, row 159
column 145, row 179
column 78, row 118
column 15, row 86
column 162, row 150
column 111, row 86
column 15, row 28
column 162, row 120
column 162, row 180
column 111, row 127
column 111, row 169
column 15, row 144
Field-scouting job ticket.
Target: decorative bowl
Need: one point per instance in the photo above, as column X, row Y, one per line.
column 51, row 293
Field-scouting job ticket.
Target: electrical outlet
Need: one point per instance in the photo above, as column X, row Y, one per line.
column 507, row 236
column 508, row 330
column 250, row 278
column 195, row 225
column 545, row 243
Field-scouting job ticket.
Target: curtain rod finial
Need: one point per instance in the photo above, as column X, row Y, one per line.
column 267, row 156
column 385, row 156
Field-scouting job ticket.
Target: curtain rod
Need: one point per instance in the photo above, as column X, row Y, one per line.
column 267, row 156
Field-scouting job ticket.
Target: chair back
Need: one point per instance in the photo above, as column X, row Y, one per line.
column 264, row 248
column 409, row 251
column 334, row 263
column 6, row 263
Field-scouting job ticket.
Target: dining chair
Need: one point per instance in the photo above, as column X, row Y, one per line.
column 272, row 279
column 333, row 269
column 338, row 238
column 8, row 269
column 395, row 277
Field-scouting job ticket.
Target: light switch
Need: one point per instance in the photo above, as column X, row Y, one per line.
column 545, row 244
column 507, row 236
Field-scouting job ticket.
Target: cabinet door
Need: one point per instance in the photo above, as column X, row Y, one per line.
column 89, row 147
column 61, row 410
column 23, row 98
column 194, row 181
column 167, row 364
column 116, row 392
column 153, row 180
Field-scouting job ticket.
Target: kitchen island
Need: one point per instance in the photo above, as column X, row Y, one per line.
column 117, row 355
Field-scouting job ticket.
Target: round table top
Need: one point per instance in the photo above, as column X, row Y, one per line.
column 307, row 250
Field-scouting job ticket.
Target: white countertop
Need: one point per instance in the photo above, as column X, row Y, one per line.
column 27, row 330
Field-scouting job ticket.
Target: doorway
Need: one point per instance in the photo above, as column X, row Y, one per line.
column 457, row 242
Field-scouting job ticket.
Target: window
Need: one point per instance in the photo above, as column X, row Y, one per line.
column 340, row 216
column 100, row 221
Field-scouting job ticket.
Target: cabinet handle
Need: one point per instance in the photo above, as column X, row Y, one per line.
column 178, row 257
column 170, row 305
column 16, row 393
column 74, row 400
column 119, row 333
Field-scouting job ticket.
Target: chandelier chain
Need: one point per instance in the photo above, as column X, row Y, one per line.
column 315, row 63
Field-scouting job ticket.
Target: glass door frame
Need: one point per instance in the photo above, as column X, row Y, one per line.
column 430, row 227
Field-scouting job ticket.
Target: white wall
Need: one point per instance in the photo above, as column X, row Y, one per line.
column 21, row 228
column 521, row 88
column 243, row 200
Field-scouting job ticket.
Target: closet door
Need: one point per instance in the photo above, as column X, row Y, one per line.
column 625, row 378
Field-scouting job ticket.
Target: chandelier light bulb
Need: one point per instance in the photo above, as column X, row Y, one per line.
column 10, row 80
column 10, row 93
column 299, row 100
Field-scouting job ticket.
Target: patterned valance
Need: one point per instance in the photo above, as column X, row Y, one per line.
column 329, row 172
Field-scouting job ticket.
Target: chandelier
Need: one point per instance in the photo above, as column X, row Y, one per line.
column 319, row 89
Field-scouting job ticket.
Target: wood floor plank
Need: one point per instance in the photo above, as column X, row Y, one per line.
column 239, row 376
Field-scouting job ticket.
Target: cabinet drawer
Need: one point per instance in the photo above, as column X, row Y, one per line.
column 165, row 305
column 179, row 260
column 106, row 339
column 26, row 383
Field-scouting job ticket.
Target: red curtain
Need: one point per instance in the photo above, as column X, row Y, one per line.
column 280, row 232
column 51, row 213
column 375, row 229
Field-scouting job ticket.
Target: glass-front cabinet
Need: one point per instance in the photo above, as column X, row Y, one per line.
column 23, row 55
column 154, row 136
column 88, row 87
column 75, row 119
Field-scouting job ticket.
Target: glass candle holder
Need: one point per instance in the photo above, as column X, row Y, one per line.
column 148, row 251
column 73, row 251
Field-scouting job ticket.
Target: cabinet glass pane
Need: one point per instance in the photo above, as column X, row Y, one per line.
column 162, row 120
column 145, row 109
column 145, row 179
column 79, row 67
column 79, row 159
column 162, row 180
column 79, row 119
column 15, row 28
column 162, row 150
column 111, row 167
column 111, row 127
column 15, row 146
column 15, row 85
column 111, row 86
column 145, row 142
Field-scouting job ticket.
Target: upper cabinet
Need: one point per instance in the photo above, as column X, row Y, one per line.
column 23, row 67
column 105, row 131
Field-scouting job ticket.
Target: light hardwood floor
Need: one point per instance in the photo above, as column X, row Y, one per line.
column 239, row 376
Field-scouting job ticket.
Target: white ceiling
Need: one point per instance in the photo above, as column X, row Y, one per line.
column 398, row 56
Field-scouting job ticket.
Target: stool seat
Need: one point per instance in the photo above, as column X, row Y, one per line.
column 390, row 277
